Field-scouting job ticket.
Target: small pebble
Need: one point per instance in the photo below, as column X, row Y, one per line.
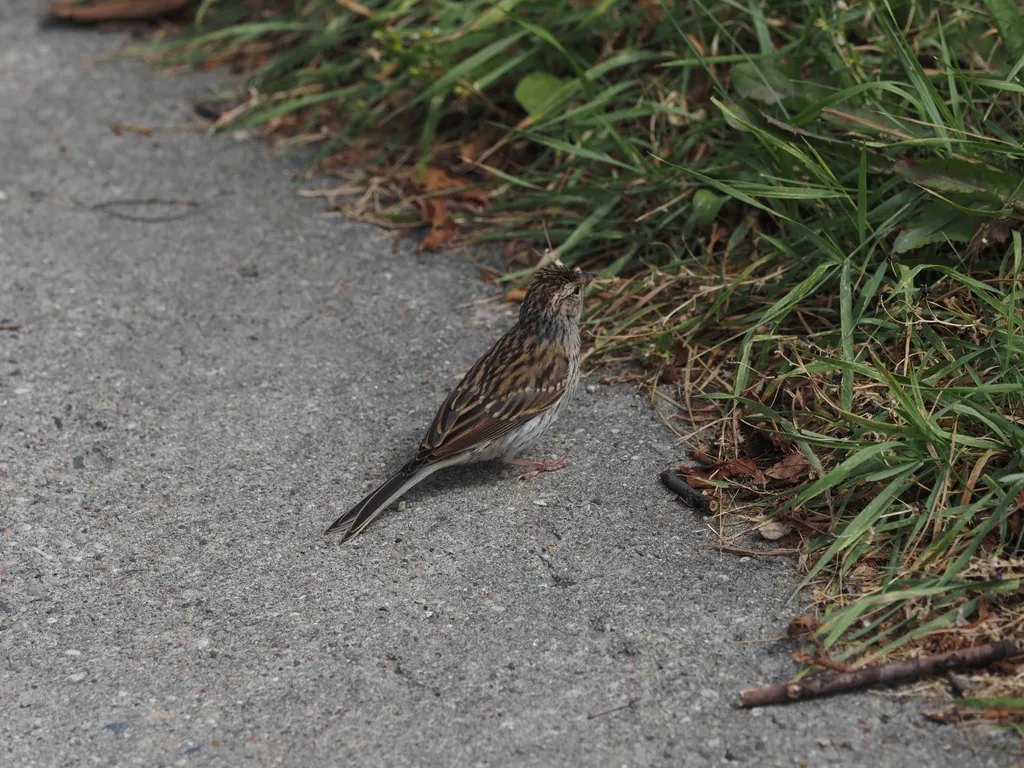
column 540, row 502
column 77, row 677
column 72, row 652
column 591, row 388
column 3, row 196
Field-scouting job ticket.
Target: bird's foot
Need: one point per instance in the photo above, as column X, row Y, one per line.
column 536, row 467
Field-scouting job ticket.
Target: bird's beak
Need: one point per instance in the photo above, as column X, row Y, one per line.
column 587, row 277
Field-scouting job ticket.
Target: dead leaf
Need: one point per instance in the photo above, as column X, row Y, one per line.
column 983, row 611
column 399, row 236
column 433, row 209
column 865, row 575
column 442, row 227
column 114, row 10
column 439, row 236
column 698, row 477
column 669, row 374
column 437, row 180
column 515, row 294
column 793, row 466
column 801, row 625
column 478, row 143
column 773, row 530
column 995, row 233
column 355, row 156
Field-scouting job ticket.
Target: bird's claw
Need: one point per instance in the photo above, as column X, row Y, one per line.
column 536, row 467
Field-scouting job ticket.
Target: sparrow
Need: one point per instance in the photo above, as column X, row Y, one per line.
column 507, row 399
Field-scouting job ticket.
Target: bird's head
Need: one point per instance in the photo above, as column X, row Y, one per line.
column 555, row 292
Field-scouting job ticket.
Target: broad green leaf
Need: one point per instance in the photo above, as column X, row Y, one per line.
column 536, row 90
column 761, row 82
column 1010, row 22
column 706, row 205
column 950, row 175
column 740, row 119
column 938, row 222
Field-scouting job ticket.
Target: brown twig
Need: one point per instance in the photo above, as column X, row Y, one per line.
column 885, row 674
column 10, row 327
column 694, row 498
column 115, row 9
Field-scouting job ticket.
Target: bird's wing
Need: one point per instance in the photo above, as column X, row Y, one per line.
column 514, row 382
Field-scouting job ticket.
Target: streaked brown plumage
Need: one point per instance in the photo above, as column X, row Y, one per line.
column 505, row 401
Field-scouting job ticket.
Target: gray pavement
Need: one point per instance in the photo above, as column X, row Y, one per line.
column 189, row 403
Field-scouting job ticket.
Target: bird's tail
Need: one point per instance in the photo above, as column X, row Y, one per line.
column 376, row 501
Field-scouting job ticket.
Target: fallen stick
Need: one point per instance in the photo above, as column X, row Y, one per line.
column 885, row 674
column 111, row 10
column 690, row 496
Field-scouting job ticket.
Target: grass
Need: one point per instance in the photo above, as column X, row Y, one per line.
column 808, row 216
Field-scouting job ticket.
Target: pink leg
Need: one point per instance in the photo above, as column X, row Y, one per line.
column 539, row 466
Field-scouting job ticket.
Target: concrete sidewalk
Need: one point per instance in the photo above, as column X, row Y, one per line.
column 189, row 403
